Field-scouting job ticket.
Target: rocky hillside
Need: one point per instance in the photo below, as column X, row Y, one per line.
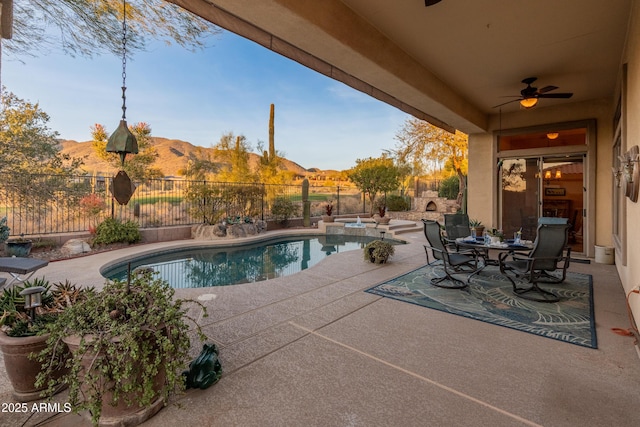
column 173, row 155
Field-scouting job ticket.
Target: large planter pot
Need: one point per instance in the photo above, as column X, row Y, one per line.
column 21, row 370
column 384, row 220
column 19, row 248
column 120, row 414
column 328, row 218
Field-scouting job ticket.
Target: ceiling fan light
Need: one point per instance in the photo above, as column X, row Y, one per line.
column 552, row 135
column 529, row 102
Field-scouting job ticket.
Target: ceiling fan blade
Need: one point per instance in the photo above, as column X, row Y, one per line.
column 547, row 89
column 505, row 103
column 555, row 95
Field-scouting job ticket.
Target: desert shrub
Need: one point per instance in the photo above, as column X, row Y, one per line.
column 449, row 188
column 113, row 231
column 283, row 209
column 397, row 203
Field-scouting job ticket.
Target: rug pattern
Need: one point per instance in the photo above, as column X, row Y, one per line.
column 490, row 298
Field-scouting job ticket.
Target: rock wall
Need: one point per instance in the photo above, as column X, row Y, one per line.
column 224, row 231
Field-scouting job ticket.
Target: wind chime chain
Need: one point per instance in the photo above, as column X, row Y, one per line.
column 124, row 58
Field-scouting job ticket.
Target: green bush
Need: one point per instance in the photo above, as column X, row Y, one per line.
column 113, row 231
column 283, row 209
column 397, row 203
column 449, row 188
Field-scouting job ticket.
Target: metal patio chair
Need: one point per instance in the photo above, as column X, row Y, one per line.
column 548, row 255
column 458, row 262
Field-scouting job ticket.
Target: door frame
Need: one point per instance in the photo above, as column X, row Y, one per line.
column 588, row 150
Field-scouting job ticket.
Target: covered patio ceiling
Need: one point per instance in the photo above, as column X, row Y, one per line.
column 449, row 63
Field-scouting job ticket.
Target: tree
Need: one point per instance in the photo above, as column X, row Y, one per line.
column 137, row 166
column 33, row 171
column 27, row 144
column 375, row 175
column 200, row 165
column 420, row 142
column 232, row 153
column 90, row 27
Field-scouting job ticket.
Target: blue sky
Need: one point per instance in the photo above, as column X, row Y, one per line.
column 198, row 96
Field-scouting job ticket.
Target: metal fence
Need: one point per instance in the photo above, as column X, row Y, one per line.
column 47, row 204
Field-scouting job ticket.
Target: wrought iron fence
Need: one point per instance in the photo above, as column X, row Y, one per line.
column 47, row 204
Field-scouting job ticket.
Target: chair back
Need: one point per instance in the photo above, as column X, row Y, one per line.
column 552, row 220
column 432, row 233
column 457, row 225
column 550, row 244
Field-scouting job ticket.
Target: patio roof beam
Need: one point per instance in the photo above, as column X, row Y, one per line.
column 393, row 77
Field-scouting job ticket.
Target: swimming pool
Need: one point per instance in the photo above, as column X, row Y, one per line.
column 222, row 266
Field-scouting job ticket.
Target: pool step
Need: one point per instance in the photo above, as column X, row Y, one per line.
column 404, row 227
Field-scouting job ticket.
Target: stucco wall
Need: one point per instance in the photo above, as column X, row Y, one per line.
column 483, row 171
column 482, row 196
column 630, row 274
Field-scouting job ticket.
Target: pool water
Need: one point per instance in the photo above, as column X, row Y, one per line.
column 197, row 268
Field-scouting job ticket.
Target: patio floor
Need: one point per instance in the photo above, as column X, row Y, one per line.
column 314, row 349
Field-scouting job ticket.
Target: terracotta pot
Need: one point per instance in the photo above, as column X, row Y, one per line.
column 479, row 231
column 121, row 414
column 384, row 220
column 21, row 370
column 328, row 218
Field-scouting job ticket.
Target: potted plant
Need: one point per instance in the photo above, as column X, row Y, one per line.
column 328, row 209
column 380, row 217
column 19, row 247
column 23, row 332
column 378, row 251
column 496, row 235
column 477, row 225
column 128, row 346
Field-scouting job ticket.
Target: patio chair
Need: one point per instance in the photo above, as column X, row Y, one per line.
column 456, row 225
column 552, row 220
column 465, row 261
column 548, row 255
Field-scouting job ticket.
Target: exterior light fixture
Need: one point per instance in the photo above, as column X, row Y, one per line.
column 629, row 170
column 628, row 166
column 547, row 175
column 558, row 174
column 617, row 175
column 32, row 299
column 529, row 102
column 552, row 135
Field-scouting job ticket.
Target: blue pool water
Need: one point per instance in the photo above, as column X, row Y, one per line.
column 197, row 268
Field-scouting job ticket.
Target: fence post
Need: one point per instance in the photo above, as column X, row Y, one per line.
column 338, row 204
column 306, row 204
column 264, row 193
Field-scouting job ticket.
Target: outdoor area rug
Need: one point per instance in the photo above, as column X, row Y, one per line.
column 490, row 298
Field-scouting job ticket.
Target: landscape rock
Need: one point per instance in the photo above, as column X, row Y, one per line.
column 75, row 247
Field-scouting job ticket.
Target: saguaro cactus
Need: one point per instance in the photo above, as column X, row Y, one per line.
column 272, row 143
column 306, row 204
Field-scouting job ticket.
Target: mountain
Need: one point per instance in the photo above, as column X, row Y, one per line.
column 172, row 156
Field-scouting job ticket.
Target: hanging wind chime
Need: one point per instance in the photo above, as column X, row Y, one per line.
column 122, row 141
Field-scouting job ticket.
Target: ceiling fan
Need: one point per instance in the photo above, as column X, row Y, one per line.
column 529, row 95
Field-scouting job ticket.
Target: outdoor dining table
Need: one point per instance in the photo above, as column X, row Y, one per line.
column 479, row 244
column 20, row 269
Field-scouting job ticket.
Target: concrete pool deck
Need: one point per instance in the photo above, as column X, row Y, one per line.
column 314, row 349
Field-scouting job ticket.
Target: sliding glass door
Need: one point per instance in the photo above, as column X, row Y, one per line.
column 543, row 186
